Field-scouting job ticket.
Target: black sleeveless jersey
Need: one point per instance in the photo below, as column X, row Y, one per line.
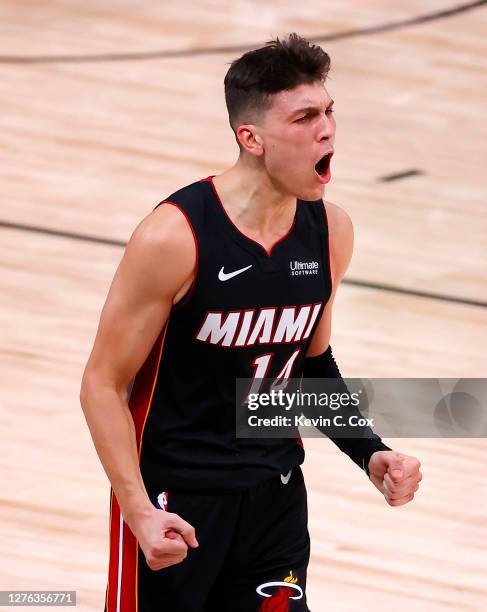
column 250, row 313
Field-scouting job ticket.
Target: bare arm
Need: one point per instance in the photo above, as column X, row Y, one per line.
column 340, row 232
column 395, row 475
column 155, row 271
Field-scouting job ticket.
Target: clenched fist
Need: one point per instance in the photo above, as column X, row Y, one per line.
column 164, row 538
column 397, row 476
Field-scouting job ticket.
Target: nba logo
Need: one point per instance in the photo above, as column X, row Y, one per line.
column 162, row 500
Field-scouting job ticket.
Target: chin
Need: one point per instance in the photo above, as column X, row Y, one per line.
column 311, row 193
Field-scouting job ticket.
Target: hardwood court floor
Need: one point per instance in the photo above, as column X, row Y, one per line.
column 88, row 148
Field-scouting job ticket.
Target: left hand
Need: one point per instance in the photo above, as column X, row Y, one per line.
column 397, row 476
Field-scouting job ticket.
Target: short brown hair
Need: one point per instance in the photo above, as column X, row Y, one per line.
column 279, row 65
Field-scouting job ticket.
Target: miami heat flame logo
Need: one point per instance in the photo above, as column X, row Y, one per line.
column 278, row 601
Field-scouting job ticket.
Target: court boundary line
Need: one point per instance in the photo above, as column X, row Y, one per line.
column 355, row 282
column 62, row 234
column 177, row 53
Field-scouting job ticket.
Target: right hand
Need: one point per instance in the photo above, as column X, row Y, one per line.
column 164, row 538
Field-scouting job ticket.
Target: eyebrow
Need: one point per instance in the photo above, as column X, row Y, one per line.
column 307, row 109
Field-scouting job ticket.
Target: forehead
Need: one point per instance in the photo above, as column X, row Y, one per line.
column 289, row 100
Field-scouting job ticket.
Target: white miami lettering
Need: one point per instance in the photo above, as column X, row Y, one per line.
column 312, row 320
column 244, row 327
column 290, row 326
column 215, row 330
column 262, row 329
column 238, row 328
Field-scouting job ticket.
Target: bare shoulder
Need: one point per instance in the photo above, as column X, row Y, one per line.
column 164, row 228
column 340, row 230
column 338, row 219
column 161, row 249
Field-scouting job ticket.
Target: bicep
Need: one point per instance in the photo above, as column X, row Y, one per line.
column 153, row 269
column 129, row 325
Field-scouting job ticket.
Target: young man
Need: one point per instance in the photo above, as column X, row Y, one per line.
column 201, row 520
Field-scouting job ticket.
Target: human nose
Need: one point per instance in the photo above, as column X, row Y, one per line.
column 326, row 127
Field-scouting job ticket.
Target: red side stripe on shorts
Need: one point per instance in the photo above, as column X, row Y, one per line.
column 111, row 597
column 123, row 571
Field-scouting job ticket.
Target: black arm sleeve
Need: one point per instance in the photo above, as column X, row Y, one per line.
column 359, row 449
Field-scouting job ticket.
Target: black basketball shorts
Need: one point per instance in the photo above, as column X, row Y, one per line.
column 252, row 557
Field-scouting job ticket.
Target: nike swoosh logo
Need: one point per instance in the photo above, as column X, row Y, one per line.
column 285, row 479
column 226, row 276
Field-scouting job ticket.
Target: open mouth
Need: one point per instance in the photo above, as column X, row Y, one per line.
column 323, row 165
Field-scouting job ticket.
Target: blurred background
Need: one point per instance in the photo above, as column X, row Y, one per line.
column 107, row 108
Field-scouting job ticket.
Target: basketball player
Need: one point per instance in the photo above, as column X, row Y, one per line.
column 201, row 520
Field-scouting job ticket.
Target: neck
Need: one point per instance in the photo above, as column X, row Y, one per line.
column 252, row 200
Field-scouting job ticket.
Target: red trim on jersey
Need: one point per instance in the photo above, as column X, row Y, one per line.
column 143, row 387
column 268, row 252
column 184, row 300
column 289, row 231
column 325, row 214
column 140, row 403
